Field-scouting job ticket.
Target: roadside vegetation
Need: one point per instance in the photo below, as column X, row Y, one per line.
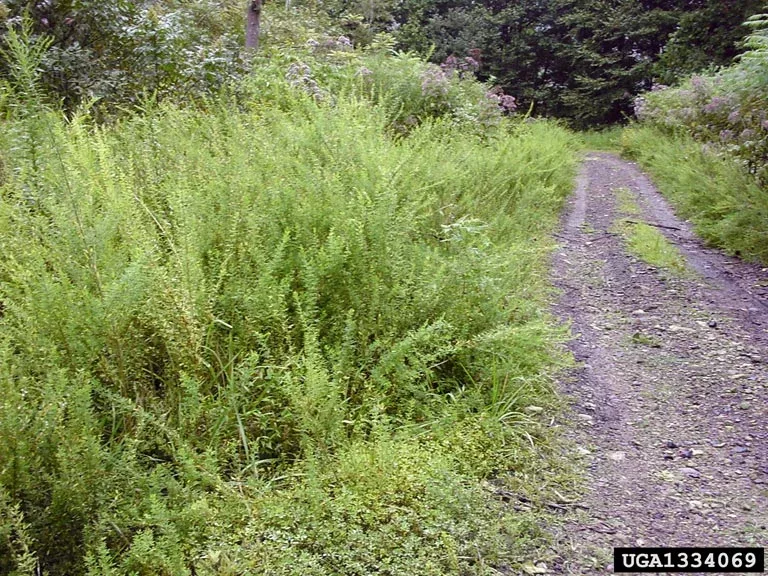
column 650, row 245
column 706, row 145
column 285, row 312
column 606, row 139
column 290, row 330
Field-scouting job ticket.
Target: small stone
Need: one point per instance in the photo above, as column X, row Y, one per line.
column 696, row 452
column 540, row 568
column 744, row 406
column 712, row 324
column 691, row 472
column 534, row 409
column 586, row 418
column 671, row 444
column 617, row 456
column 686, row 453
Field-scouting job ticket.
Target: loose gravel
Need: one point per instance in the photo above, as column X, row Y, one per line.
column 670, row 398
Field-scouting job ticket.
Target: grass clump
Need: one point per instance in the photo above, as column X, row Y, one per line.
column 650, row 245
column 645, row 241
column 627, row 202
column 726, row 204
column 271, row 336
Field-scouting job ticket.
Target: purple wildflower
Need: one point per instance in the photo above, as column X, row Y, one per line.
column 451, row 63
column 434, row 82
column 714, row 105
column 471, row 64
column 508, row 103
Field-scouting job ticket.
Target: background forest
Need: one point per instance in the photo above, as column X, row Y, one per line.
column 583, row 60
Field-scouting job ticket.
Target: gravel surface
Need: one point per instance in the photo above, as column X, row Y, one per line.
column 670, row 398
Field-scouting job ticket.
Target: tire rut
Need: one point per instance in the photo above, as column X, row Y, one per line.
column 669, row 400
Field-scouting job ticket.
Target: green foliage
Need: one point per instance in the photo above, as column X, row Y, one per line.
column 705, row 38
column 727, row 110
column 120, row 51
column 579, row 59
column 408, row 90
column 650, row 245
column 270, row 335
column 606, row 139
column 725, row 203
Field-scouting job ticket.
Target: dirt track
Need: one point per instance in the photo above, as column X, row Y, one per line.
column 670, row 400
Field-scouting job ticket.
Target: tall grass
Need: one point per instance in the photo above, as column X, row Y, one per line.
column 269, row 339
column 726, row 204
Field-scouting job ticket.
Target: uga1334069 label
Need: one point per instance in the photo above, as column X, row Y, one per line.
column 670, row 560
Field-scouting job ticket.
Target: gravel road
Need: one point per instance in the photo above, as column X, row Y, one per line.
column 670, row 398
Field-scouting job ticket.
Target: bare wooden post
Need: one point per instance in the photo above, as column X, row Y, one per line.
column 253, row 25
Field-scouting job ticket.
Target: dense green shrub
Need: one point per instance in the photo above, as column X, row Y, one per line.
column 120, row 51
column 409, row 90
column 706, row 144
column 271, row 335
column 728, row 111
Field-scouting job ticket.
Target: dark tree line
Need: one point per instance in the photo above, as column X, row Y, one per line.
column 579, row 59
column 584, row 60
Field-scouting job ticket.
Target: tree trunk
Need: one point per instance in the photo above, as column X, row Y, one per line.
column 253, row 25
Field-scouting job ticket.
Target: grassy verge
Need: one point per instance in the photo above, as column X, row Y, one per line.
column 608, row 139
column 726, row 205
column 274, row 339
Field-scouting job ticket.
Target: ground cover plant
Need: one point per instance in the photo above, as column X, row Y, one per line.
column 643, row 240
column 290, row 331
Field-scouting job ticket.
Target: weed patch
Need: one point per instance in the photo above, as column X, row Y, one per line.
column 650, row 246
column 272, row 339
